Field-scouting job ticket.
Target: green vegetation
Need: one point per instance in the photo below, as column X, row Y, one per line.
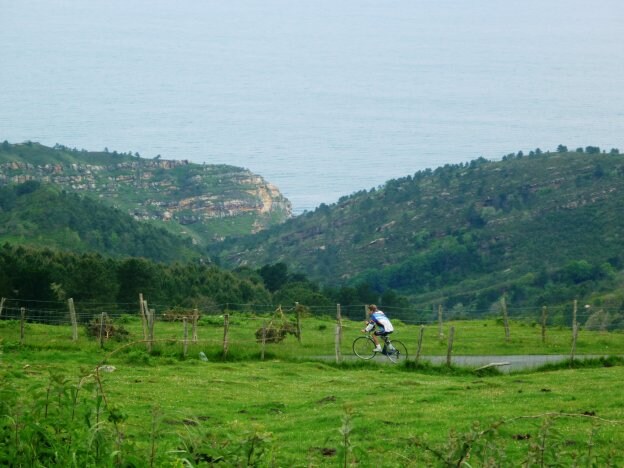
column 539, row 230
column 164, row 408
column 542, row 228
column 472, row 337
column 198, row 201
column 31, row 278
column 44, row 216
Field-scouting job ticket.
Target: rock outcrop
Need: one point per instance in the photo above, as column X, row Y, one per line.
column 160, row 190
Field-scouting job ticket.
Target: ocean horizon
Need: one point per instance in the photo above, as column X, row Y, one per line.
column 321, row 98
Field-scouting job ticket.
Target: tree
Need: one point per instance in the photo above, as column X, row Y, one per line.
column 390, row 298
column 274, row 276
column 27, row 187
column 302, row 293
column 92, row 278
column 366, row 294
column 346, row 295
column 578, row 271
column 135, row 276
column 474, row 217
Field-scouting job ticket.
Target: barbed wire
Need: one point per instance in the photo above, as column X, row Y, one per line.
column 319, row 307
column 62, row 316
column 48, row 311
column 41, row 313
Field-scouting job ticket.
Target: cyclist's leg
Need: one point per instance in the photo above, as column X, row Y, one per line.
column 383, row 335
column 374, row 336
column 387, row 341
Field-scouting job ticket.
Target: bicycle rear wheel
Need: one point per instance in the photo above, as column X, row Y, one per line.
column 399, row 354
column 363, row 347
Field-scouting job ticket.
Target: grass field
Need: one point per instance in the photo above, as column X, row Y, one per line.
column 477, row 337
column 294, row 409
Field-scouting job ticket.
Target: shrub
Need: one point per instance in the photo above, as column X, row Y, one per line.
column 175, row 315
column 277, row 329
column 108, row 329
column 138, row 357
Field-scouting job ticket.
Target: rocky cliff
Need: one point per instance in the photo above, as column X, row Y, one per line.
column 205, row 201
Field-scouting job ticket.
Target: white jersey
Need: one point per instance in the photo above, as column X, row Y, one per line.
column 379, row 318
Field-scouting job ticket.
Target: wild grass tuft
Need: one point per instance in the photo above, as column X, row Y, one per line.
column 589, row 363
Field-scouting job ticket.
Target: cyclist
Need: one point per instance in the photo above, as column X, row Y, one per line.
column 378, row 319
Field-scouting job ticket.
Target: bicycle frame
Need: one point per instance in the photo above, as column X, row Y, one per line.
column 394, row 352
column 387, row 343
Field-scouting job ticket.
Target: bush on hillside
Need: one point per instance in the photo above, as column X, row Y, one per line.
column 108, row 330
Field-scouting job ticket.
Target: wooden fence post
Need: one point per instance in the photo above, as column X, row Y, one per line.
column 505, row 317
column 72, row 316
column 226, row 326
column 2, row 305
column 102, row 329
column 544, row 317
column 195, row 319
column 185, row 336
column 574, row 336
column 574, row 331
column 143, row 313
column 151, row 326
column 263, row 341
column 337, row 343
column 338, row 333
column 339, row 320
column 449, row 350
column 440, row 322
column 420, row 340
column 148, row 320
column 147, row 323
column 22, row 320
column 298, row 312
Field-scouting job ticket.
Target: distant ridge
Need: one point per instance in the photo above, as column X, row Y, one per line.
column 205, row 202
column 44, row 216
column 531, row 226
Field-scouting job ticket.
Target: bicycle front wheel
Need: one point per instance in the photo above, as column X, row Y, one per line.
column 399, row 354
column 363, row 347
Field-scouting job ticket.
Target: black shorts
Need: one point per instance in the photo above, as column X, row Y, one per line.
column 382, row 333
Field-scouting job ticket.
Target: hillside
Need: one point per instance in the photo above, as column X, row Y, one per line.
column 205, row 202
column 463, row 234
column 44, row 216
column 43, row 279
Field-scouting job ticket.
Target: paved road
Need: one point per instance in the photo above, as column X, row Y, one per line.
column 511, row 362
column 515, row 362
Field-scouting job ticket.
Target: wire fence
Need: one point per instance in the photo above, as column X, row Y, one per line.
column 57, row 312
column 259, row 331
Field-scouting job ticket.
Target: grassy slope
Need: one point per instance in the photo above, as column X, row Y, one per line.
column 36, row 154
column 302, row 404
column 220, row 181
column 514, row 216
column 49, row 218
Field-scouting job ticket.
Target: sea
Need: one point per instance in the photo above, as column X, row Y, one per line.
column 323, row 98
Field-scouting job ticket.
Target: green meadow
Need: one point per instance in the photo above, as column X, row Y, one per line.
column 67, row 403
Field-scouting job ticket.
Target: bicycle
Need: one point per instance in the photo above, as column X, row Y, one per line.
column 363, row 347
